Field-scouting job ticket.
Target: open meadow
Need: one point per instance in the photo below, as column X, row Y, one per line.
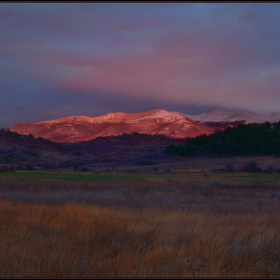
column 184, row 224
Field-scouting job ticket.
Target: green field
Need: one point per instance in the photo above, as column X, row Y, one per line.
column 237, row 177
column 71, row 176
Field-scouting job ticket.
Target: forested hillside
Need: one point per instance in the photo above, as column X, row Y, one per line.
column 243, row 140
column 27, row 152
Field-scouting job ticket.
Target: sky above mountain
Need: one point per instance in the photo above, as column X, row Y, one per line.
column 90, row 59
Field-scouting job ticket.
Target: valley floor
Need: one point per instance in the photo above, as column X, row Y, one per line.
column 194, row 224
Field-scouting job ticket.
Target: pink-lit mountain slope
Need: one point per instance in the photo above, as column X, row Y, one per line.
column 81, row 128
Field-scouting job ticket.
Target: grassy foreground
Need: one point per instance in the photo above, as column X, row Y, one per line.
column 154, row 227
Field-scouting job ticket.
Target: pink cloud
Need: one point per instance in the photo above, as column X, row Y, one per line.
column 205, row 54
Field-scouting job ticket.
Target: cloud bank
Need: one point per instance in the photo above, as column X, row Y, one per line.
column 89, row 59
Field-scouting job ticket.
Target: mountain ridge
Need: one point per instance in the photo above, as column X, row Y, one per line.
column 219, row 115
column 156, row 121
column 83, row 128
column 218, row 119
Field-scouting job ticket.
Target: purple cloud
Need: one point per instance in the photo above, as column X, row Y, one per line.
column 67, row 59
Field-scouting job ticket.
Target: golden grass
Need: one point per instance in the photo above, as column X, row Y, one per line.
column 139, row 229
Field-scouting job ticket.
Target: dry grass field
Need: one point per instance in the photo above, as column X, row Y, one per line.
column 192, row 226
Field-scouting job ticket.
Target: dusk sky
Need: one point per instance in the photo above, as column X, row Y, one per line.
column 58, row 60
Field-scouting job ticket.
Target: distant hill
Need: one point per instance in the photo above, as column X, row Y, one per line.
column 26, row 152
column 220, row 119
column 82, row 128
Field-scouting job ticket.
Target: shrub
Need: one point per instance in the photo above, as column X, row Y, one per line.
column 229, row 167
column 12, row 168
column 270, row 168
column 29, row 166
column 251, row 167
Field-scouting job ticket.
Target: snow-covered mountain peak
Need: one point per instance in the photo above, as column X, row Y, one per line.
column 82, row 128
column 225, row 116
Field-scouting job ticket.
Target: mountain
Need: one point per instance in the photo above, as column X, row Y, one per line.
column 225, row 116
column 82, row 128
column 220, row 119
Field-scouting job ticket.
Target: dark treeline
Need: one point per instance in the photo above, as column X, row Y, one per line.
column 244, row 140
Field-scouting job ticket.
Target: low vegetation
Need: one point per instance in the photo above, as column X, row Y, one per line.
column 20, row 152
column 181, row 225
